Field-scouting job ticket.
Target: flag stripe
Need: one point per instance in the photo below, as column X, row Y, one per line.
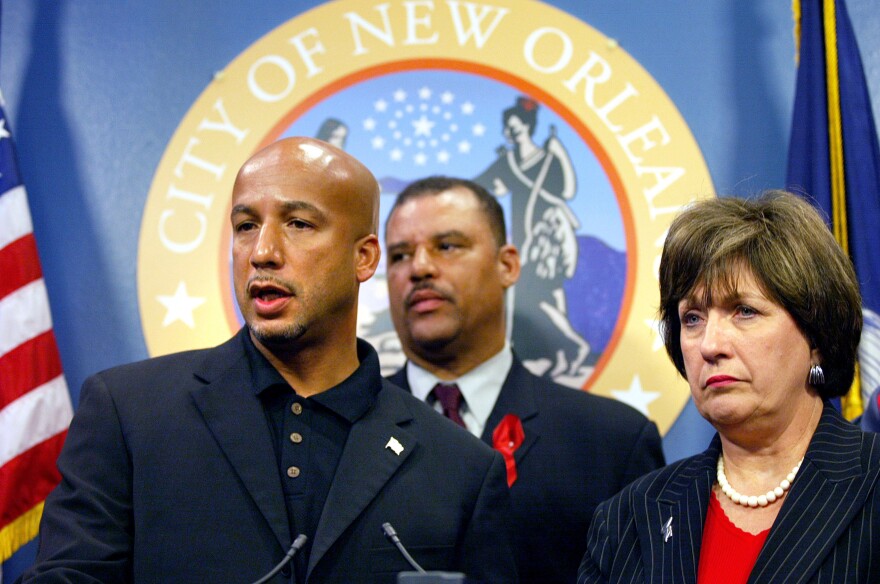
column 19, row 264
column 24, row 314
column 35, row 408
column 34, row 417
column 27, row 366
column 26, row 479
column 15, row 217
column 835, row 129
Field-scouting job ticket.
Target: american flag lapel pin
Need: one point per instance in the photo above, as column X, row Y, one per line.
column 394, row 445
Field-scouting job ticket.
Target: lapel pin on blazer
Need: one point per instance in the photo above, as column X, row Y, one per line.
column 394, row 445
column 666, row 530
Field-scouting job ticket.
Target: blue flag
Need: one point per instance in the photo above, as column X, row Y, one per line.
column 834, row 158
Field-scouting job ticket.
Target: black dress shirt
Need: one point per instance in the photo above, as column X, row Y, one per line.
column 309, row 435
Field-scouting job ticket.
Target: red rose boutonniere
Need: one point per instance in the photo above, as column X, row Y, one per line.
column 506, row 438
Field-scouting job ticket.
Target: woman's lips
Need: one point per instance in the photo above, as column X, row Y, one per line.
column 720, row 381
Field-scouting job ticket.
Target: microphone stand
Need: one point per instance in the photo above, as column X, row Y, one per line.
column 420, row 576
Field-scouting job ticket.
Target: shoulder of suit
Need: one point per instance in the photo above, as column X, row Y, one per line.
column 574, row 402
column 649, row 486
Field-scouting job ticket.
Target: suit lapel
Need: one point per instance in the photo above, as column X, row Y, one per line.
column 672, row 555
column 517, row 398
column 366, row 465
column 830, row 488
column 235, row 416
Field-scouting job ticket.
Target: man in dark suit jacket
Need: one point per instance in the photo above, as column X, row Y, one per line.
column 449, row 267
column 204, row 466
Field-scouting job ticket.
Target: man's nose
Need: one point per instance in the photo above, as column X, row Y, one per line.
column 267, row 248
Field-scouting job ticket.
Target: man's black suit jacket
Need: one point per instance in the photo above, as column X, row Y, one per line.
column 169, row 475
column 579, row 449
column 827, row 530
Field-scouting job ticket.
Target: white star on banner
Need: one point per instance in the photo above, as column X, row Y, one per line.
column 636, row 396
column 180, row 306
column 422, row 126
column 4, row 133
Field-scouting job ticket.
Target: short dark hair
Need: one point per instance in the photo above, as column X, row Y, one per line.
column 786, row 244
column 434, row 185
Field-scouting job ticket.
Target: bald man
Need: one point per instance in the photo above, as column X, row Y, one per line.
column 205, row 466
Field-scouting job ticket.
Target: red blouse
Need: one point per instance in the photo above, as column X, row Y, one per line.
column 728, row 553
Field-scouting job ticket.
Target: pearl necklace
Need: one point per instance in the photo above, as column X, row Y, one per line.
column 760, row 500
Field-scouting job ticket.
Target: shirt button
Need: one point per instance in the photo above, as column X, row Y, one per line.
column 293, row 472
column 296, row 408
column 296, row 437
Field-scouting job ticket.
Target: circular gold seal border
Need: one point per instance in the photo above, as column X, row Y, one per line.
column 514, row 81
column 633, row 128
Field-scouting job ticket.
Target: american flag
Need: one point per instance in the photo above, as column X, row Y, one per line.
column 35, row 407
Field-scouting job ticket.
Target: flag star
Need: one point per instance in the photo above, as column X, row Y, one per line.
column 464, row 146
column 380, row 105
column 422, row 126
column 180, row 306
column 397, row 155
column 369, row 124
column 400, row 95
column 425, row 93
column 636, row 396
column 447, row 97
column 467, row 108
column 4, row 133
column 420, row 159
column 378, row 143
column 654, row 325
column 478, row 129
column 443, row 157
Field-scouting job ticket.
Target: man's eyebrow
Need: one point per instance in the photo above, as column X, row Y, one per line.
column 241, row 209
column 287, row 206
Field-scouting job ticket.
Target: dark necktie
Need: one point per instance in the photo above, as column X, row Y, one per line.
column 450, row 398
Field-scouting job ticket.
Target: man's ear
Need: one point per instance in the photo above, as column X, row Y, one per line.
column 367, row 254
column 508, row 265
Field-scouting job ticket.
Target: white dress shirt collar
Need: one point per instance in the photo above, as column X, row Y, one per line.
column 479, row 386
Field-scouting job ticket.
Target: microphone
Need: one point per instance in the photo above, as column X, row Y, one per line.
column 297, row 545
column 420, row 576
column 391, row 535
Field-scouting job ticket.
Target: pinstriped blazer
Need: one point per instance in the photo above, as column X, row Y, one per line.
column 828, row 529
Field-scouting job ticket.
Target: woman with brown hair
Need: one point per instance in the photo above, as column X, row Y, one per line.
column 761, row 313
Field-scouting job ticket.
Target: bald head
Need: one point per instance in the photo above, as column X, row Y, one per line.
column 308, row 163
column 304, row 223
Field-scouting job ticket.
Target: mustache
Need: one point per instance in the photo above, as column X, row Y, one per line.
column 427, row 286
column 270, row 279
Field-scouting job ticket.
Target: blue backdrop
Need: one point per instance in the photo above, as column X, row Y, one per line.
column 95, row 89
